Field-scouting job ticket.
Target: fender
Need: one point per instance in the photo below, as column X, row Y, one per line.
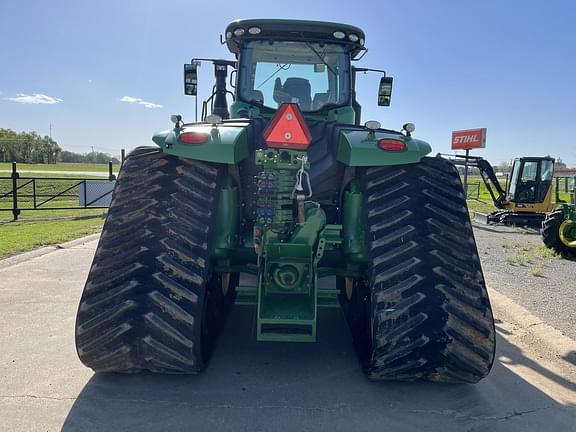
column 359, row 147
column 227, row 143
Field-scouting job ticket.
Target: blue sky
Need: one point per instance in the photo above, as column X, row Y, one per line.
column 509, row 66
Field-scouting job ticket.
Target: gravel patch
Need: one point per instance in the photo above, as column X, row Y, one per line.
column 518, row 265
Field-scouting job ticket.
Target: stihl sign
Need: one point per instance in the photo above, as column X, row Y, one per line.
column 469, row 139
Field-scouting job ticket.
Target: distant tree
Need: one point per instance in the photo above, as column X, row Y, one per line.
column 29, row 147
column 92, row 157
column 70, row 157
column 560, row 164
column 503, row 167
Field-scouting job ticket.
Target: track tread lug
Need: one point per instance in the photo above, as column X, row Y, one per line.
column 142, row 305
column 430, row 313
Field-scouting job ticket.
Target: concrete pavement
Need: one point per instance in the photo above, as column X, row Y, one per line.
column 251, row 386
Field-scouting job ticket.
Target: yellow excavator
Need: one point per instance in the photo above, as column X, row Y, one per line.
column 527, row 197
column 527, row 200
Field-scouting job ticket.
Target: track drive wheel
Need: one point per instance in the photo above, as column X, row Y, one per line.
column 151, row 301
column 423, row 301
column 551, row 229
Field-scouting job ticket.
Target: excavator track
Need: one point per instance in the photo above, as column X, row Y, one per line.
column 422, row 311
column 150, row 300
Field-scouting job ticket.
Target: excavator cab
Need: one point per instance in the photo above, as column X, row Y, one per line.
column 531, row 182
column 527, row 196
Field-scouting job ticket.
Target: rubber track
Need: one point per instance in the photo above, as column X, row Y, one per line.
column 551, row 234
column 143, row 301
column 431, row 317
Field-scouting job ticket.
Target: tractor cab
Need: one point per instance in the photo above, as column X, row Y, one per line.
column 299, row 62
column 531, row 180
column 314, row 76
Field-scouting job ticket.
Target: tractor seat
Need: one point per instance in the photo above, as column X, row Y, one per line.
column 320, row 99
column 299, row 88
column 256, row 95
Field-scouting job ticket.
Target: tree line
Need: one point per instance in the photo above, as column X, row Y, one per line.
column 29, row 147
column 88, row 158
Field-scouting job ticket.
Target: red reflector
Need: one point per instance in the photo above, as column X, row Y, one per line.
column 392, row 145
column 288, row 129
column 193, row 137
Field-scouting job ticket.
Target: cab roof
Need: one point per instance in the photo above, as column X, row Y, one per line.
column 293, row 30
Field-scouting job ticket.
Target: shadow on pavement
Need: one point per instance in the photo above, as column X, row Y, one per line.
column 570, row 357
column 252, row 386
column 507, row 229
column 514, row 356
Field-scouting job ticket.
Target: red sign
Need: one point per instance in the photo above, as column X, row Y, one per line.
column 469, row 139
column 288, row 129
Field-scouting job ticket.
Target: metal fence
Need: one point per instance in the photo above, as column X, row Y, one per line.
column 54, row 193
column 473, row 190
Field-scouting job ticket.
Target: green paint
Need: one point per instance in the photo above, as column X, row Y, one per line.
column 288, row 295
column 353, row 229
column 227, row 143
column 240, row 109
column 227, row 221
column 360, row 148
column 342, row 115
column 288, row 255
column 289, row 251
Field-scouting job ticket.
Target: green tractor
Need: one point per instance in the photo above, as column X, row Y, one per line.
column 259, row 201
column 559, row 227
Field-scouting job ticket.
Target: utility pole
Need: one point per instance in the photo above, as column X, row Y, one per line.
column 50, row 130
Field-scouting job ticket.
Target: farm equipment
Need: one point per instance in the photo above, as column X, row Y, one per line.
column 288, row 186
column 527, row 200
column 527, row 197
column 559, row 227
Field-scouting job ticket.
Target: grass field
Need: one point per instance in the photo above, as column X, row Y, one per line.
column 59, row 167
column 41, row 228
column 16, row 237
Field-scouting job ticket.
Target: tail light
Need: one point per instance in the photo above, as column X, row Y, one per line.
column 392, row 145
column 194, row 137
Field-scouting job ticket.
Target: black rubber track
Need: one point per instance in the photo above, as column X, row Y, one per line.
column 426, row 312
column 150, row 302
column 551, row 234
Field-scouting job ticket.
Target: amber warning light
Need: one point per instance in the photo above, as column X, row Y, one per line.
column 288, row 129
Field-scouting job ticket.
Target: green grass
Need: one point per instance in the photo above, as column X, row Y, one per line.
column 58, row 167
column 40, row 228
column 483, row 202
column 537, row 271
column 48, row 188
column 535, row 257
column 17, row 237
column 546, row 253
column 521, row 258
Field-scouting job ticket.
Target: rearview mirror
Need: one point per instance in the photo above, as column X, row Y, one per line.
column 385, row 91
column 191, row 79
